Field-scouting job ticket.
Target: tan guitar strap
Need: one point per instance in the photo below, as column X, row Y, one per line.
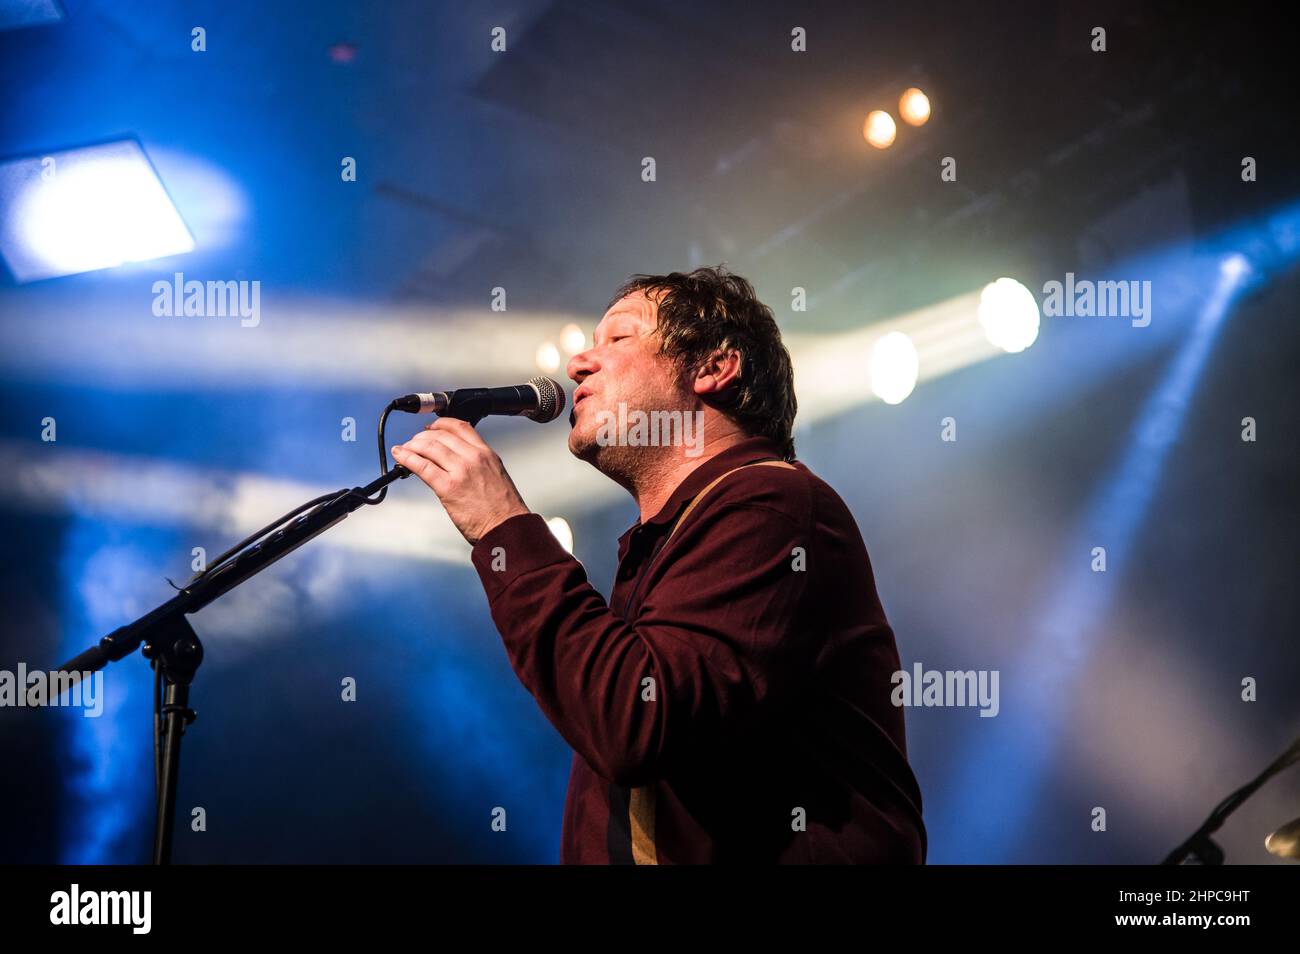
column 641, row 804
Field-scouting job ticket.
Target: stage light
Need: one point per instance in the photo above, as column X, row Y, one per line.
column 548, row 357
column 914, row 107
column 1234, row 266
column 560, row 529
column 1073, row 615
column 1008, row 313
column 85, row 209
column 572, row 339
column 880, row 129
column 894, row 367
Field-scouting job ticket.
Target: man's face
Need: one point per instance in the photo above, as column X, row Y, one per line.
column 623, row 365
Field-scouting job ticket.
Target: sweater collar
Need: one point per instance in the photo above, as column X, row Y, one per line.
column 746, row 452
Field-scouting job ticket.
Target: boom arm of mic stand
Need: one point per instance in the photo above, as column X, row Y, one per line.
column 256, row 558
column 248, row 562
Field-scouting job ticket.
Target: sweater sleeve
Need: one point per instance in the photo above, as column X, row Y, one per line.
column 715, row 644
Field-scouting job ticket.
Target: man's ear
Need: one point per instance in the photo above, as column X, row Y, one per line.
column 719, row 374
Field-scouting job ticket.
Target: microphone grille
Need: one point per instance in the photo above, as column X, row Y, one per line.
column 550, row 399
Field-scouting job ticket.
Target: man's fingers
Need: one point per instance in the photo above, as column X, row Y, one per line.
column 468, row 451
column 449, row 452
column 431, row 458
column 422, row 467
column 435, row 456
column 465, row 473
column 461, row 429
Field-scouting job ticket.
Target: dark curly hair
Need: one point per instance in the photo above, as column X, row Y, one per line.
column 709, row 310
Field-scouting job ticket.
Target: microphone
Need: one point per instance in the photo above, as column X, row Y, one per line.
column 541, row 400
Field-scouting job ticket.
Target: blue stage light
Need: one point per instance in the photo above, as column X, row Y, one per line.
column 1013, row 759
column 85, row 209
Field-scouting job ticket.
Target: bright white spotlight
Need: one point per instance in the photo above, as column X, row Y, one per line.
column 1008, row 313
column 548, row 357
column 85, row 209
column 914, row 107
column 572, row 339
column 560, row 530
column 1234, row 266
column 880, row 129
column 894, row 367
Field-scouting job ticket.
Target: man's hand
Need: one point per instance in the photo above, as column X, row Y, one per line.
column 465, row 473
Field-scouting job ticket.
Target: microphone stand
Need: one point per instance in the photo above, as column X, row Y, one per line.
column 1199, row 847
column 173, row 647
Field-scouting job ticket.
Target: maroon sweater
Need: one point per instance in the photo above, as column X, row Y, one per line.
column 731, row 702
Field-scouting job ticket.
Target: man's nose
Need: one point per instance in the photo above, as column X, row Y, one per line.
column 581, row 365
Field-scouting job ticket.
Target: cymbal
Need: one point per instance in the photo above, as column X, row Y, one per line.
column 1285, row 842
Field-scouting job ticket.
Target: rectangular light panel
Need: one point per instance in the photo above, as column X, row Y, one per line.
column 85, row 209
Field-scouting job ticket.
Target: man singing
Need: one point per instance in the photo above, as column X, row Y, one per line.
column 731, row 701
